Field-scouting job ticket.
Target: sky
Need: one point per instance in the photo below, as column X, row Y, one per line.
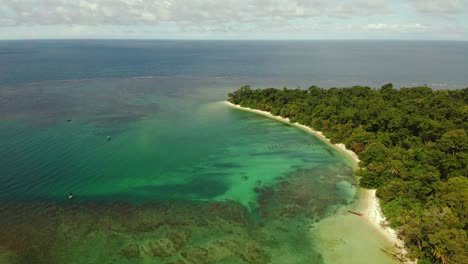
column 234, row 19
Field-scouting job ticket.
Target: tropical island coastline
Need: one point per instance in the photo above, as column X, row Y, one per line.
column 367, row 200
column 338, row 146
column 412, row 145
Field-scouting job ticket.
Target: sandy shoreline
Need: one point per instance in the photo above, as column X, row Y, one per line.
column 368, row 203
column 340, row 147
column 375, row 217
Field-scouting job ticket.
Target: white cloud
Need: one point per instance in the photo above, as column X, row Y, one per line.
column 361, row 8
column 439, row 7
column 388, row 29
column 250, row 18
column 381, row 27
column 213, row 13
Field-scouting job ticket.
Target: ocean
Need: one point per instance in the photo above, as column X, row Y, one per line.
column 294, row 63
column 162, row 171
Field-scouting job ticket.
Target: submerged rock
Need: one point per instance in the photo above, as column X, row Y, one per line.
column 197, row 255
column 130, row 251
column 254, row 255
column 162, row 248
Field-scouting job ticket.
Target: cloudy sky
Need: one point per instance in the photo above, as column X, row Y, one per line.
column 235, row 19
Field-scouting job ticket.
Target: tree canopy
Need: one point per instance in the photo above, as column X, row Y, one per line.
column 413, row 147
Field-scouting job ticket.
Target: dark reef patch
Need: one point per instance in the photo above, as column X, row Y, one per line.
column 175, row 232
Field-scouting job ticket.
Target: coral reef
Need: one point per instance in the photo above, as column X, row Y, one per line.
column 175, row 232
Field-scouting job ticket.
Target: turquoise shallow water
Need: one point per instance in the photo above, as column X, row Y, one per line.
column 161, row 171
column 164, row 144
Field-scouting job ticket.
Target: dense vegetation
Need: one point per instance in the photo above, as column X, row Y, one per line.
column 413, row 147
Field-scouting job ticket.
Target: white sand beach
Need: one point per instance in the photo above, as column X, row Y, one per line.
column 340, row 147
column 368, row 203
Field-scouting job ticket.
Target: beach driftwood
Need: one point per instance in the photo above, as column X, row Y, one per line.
column 356, row 213
column 395, row 255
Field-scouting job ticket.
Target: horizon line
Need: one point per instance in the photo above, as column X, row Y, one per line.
column 230, row 39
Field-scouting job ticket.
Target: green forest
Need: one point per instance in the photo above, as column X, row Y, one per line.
column 413, row 147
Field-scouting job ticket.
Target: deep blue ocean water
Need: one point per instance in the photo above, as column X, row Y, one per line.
column 295, row 63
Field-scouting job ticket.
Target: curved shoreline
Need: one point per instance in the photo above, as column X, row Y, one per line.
column 339, row 146
column 368, row 201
